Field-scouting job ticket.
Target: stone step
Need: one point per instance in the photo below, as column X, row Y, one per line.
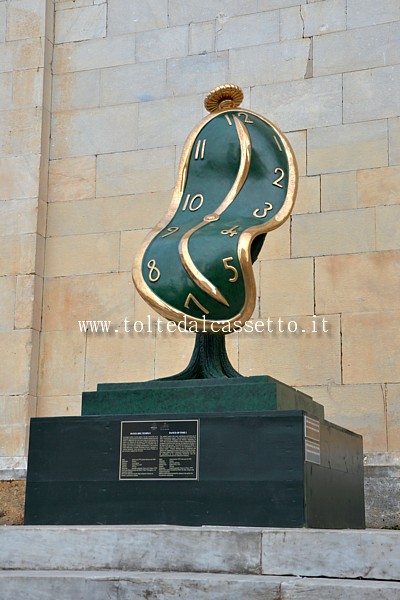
column 347, row 554
column 128, row 585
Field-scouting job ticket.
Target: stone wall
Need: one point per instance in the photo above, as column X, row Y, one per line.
column 128, row 83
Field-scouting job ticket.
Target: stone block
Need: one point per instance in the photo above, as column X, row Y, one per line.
column 17, row 254
column 137, row 172
column 7, row 295
column 157, row 44
column 359, row 408
column 269, row 63
column 347, row 147
column 18, row 216
column 72, row 179
column 28, row 302
column 248, row 30
column 287, row 287
column 338, row 191
column 80, row 254
column 324, row 17
column 308, row 195
column 62, row 363
column 181, row 13
column 106, row 214
column 290, row 23
column 68, row 300
column 370, row 343
column 197, row 74
column 13, row 440
column 131, row 241
column 3, row 22
column 298, row 141
column 357, row 282
column 58, row 406
column 125, row 16
column 115, row 357
column 316, row 589
column 378, row 186
column 77, row 24
column 339, row 232
column 177, row 345
column 394, row 141
column 379, row 89
column 356, row 49
column 277, row 243
column 393, row 417
column 28, row 88
column 17, row 409
column 94, row 131
column 201, row 37
column 94, row 54
column 382, row 487
column 298, row 358
column 77, row 90
column 16, row 360
column 25, row 19
column 6, row 91
column 361, row 13
column 21, row 54
column 21, row 132
column 272, row 4
column 387, row 227
column 303, row 104
column 133, row 83
column 340, row 554
column 167, row 122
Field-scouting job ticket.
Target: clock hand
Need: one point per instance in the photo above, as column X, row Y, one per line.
column 190, row 267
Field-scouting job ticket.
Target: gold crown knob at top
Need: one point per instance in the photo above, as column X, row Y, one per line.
column 223, row 97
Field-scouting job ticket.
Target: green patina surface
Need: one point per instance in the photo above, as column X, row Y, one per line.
column 207, row 396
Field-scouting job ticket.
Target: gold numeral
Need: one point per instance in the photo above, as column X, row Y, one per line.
column 231, row 232
column 154, row 272
column 268, row 207
column 196, row 302
column 228, row 119
column 277, row 143
column 200, row 148
column 281, row 176
column 231, row 268
column 246, row 117
column 194, row 204
column 170, row 230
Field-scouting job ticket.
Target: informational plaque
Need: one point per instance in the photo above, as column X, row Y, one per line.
column 159, row 450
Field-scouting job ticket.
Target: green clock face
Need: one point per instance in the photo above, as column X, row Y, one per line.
column 237, row 180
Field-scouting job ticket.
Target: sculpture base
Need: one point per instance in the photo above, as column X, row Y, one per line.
column 261, row 469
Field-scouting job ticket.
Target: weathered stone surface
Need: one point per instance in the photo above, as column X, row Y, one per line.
column 171, row 42
column 18, row 217
column 133, row 83
column 72, row 179
column 25, row 19
column 28, row 302
column 269, row 63
column 17, row 254
column 61, row 369
column 278, row 280
column 317, row 234
column 277, row 243
column 387, row 227
column 248, row 30
column 130, row 244
column 319, row 589
column 393, row 419
column 338, row 191
column 79, row 24
column 58, row 406
column 361, row 13
column 341, row 554
column 324, row 17
column 379, row 89
column 298, row 141
column 80, row 254
column 201, row 37
column 7, row 295
column 197, row 74
column 76, row 90
column 181, row 13
column 19, row 351
column 378, row 186
column 18, row 176
column 94, row 54
column 142, row 171
column 356, row 49
column 394, row 141
column 347, row 147
column 94, row 131
column 354, row 282
column 301, row 104
column 369, row 343
column 382, row 488
column 290, row 23
column 125, row 16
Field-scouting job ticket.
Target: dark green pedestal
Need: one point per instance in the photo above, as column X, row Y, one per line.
column 197, row 395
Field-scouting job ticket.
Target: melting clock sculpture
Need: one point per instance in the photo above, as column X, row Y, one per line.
column 237, row 180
